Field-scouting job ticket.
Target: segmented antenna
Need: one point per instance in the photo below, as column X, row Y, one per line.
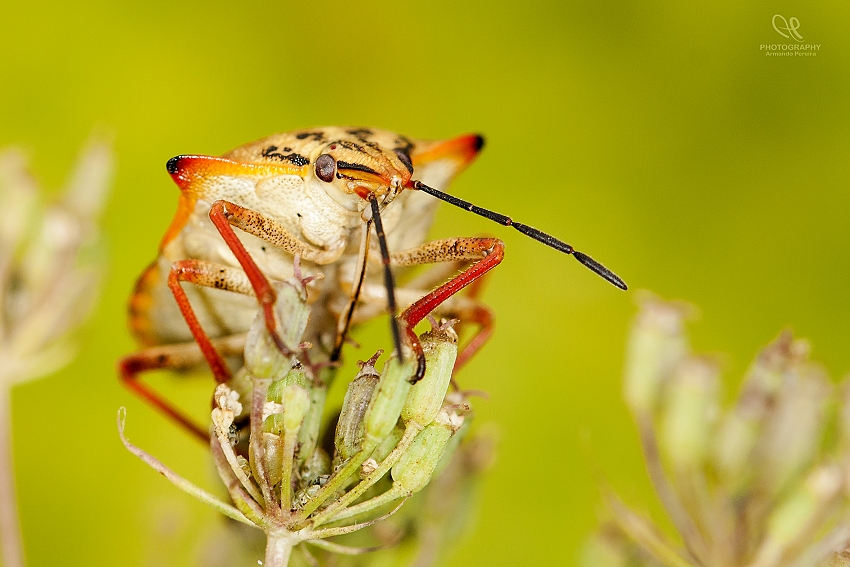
column 538, row 235
column 389, row 283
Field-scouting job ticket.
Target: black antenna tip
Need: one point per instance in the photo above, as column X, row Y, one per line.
column 601, row 270
column 479, row 142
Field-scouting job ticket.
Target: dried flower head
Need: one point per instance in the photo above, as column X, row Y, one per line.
column 49, row 266
column 49, row 269
column 760, row 484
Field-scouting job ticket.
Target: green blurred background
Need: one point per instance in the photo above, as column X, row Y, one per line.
column 655, row 136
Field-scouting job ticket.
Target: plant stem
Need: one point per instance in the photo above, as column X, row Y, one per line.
column 393, row 493
column 11, row 543
column 325, row 515
column 278, row 549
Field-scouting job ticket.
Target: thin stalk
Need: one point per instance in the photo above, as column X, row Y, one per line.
column 278, row 549
column 11, row 542
column 290, row 439
column 227, row 451
column 335, row 482
column 178, row 480
column 694, row 542
column 325, row 515
column 394, row 493
column 258, row 399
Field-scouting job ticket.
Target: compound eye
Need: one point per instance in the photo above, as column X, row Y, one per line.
column 325, row 168
column 404, row 158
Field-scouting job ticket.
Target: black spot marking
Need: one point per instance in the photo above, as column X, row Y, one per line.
column 361, row 132
column 355, row 166
column 350, row 145
column 317, row 136
column 297, row 159
column 404, row 143
column 263, row 248
column 294, row 159
column 479, row 142
column 173, row 165
column 298, row 215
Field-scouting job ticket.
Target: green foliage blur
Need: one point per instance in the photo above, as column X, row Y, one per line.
column 656, row 136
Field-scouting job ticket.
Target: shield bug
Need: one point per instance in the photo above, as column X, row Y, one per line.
column 353, row 204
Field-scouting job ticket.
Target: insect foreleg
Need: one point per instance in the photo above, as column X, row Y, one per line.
column 466, row 308
column 173, row 357
column 485, row 253
column 224, row 214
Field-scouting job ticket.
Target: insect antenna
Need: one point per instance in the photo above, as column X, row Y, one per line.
column 345, row 321
column 538, row 235
column 388, row 275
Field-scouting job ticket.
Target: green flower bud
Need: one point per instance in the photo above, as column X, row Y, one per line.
column 690, row 412
column 795, row 519
column 308, row 435
column 262, row 358
column 388, row 399
column 272, row 455
column 740, row 429
column 793, row 427
column 296, row 402
column 460, row 434
column 296, row 376
column 656, row 346
column 350, row 427
column 273, row 424
column 426, row 396
column 414, row 469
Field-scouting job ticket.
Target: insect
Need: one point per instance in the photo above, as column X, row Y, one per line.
column 353, row 204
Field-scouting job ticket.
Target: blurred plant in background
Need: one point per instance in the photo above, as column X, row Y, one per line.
column 299, row 482
column 50, row 268
column 764, row 483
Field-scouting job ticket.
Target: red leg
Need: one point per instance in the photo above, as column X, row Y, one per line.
column 223, row 214
column 174, row 357
column 481, row 315
column 487, row 251
column 210, row 275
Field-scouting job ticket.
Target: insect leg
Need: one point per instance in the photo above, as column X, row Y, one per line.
column 209, row 275
column 224, row 214
column 174, row 357
column 485, row 253
column 466, row 308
